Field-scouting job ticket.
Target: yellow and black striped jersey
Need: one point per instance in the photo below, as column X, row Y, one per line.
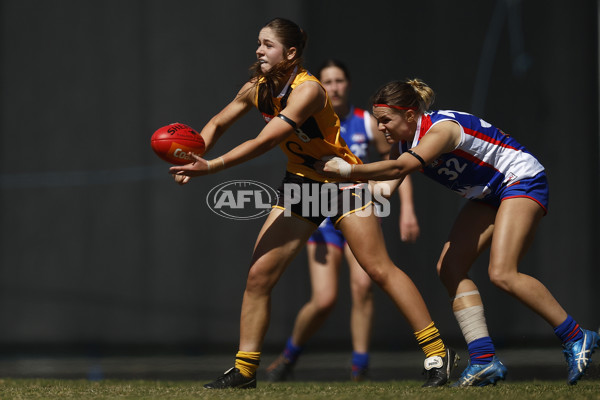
column 316, row 138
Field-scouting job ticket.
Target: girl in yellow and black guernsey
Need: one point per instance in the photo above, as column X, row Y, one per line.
column 301, row 120
column 317, row 138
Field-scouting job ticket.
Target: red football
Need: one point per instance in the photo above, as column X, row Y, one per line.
column 173, row 142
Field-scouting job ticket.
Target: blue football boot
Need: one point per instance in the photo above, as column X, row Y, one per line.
column 482, row 374
column 578, row 354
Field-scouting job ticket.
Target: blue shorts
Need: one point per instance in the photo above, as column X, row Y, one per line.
column 326, row 233
column 535, row 188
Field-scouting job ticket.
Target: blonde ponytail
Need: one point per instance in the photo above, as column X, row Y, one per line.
column 408, row 94
column 424, row 92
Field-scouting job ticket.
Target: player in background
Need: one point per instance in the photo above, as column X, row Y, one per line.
column 300, row 119
column 508, row 193
column 327, row 247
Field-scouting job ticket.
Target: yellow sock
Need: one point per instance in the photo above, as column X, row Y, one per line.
column 430, row 341
column 247, row 362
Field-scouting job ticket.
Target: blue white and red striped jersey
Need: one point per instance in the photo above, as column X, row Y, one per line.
column 485, row 159
column 355, row 129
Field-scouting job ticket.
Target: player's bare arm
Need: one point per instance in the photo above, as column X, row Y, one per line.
column 227, row 117
column 212, row 131
column 304, row 101
column 441, row 139
column 409, row 225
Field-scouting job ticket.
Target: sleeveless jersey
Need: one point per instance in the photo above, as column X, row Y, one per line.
column 356, row 132
column 316, row 138
column 485, row 159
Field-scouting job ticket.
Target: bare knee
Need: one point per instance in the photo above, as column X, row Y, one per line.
column 323, row 303
column 259, row 283
column 501, row 278
column 379, row 273
column 361, row 290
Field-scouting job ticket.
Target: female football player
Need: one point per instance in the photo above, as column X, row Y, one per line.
column 300, row 119
column 508, row 194
column 326, row 248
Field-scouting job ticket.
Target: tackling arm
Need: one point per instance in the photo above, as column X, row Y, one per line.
column 442, row 138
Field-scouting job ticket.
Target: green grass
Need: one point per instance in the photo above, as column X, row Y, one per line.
column 139, row 389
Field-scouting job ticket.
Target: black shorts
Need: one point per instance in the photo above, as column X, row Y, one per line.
column 314, row 201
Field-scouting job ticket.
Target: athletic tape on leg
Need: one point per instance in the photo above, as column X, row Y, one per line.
column 468, row 310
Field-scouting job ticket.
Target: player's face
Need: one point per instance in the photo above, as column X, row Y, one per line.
column 395, row 126
column 270, row 51
column 338, row 88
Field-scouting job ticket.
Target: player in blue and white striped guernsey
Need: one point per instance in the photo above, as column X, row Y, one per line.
column 508, row 193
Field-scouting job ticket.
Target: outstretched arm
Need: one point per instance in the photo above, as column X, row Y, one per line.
column 442, row 138
column 305, row 100
column 218, row 124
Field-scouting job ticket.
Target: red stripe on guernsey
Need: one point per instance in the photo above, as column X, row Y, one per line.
column 267, row 117
column 359, row 112
column 473, row 159
column 486, row 138
column 425, row 125
column 574, row 332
